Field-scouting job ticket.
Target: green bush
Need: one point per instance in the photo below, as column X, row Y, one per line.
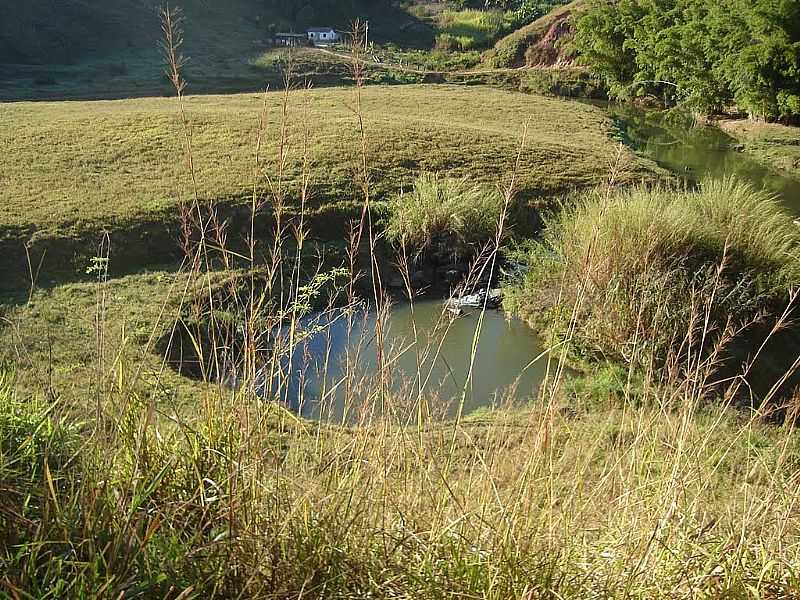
column 638, row 273
column 451, row 215
column 562, row 83
column 707, row 56
column 446, row 42
column 507, row 53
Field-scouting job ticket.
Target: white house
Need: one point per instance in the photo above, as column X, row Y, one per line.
column 323, row 35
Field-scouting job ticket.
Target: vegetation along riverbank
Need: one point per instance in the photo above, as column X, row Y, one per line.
column 772, row 144
column 666, row 282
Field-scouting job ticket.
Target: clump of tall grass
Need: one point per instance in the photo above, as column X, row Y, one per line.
column 447, row 215
column 631, row 275
column 34, row 443
column 241, row 500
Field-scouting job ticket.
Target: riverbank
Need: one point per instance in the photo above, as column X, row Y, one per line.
column 773, row 145
column 118, row 169
column 672, row 287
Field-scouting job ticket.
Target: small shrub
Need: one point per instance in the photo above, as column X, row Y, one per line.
column 602, row 385
column 446, row 42
column 506, row 54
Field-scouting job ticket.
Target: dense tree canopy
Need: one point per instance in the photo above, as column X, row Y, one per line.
column 706, row 54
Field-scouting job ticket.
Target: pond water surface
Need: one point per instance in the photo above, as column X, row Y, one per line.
column 424, row 350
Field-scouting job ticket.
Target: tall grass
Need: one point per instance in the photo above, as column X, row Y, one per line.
column 643, row 268
column 471, row 28
column 228, row 495
column 619, row 502
column 450, row 216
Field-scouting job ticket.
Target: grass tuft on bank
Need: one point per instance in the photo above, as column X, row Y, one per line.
column 648, row 275
column 455, row 216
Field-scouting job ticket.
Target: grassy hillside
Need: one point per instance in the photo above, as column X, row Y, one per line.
column 541, row 43
column 60, row 33
column 87, row 49
column 91, row 49
column 73, row 169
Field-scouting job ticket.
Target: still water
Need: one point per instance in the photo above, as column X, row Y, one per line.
column 425, row 350
column 695, row 153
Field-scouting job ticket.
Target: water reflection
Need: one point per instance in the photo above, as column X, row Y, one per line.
column 331, row 370
column 698, row 152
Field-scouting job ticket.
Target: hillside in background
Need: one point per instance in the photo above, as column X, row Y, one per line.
column 542, row 43
column 89, row 48
column 66, row 31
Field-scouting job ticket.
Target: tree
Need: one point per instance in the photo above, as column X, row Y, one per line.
column 703, row 54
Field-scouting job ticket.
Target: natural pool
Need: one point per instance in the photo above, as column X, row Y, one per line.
column 428, row 354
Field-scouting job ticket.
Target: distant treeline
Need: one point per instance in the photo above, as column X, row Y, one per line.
column 708, row 55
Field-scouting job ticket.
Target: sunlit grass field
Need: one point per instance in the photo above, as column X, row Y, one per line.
column 70, row 170
column 474, row 28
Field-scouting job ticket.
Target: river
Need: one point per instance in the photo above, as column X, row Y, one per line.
column 695, row 153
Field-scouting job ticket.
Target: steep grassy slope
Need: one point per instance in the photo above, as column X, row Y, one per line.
column 541, row 43
column 46, row 32
column 71, row 170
